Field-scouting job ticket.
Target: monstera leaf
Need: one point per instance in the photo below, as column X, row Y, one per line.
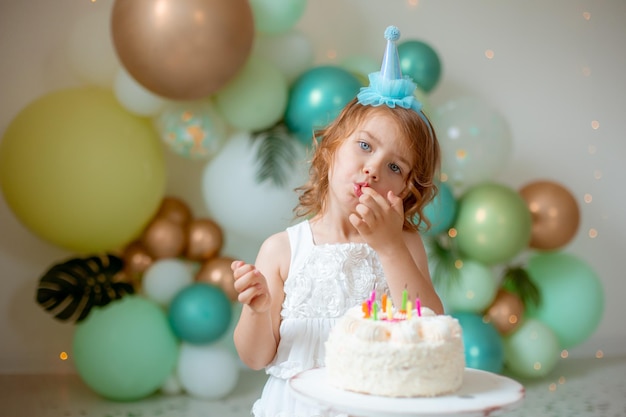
column 72, row 288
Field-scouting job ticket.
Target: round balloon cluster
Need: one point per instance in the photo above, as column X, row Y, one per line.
column 545, row 301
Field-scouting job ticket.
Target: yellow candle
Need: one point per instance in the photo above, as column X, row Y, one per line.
column 389, row 310
column 409, row 310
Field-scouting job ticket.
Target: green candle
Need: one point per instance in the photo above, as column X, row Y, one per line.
column 405, row 296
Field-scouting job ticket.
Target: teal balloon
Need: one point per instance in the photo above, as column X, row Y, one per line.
column 572, row 296
column 493, row 223
column 532, row 350
column 419, row 61
column 472, row 289
column 125, row 350
column 441, row 211
column 483, row 344
column 316, row 97
column 200, row 313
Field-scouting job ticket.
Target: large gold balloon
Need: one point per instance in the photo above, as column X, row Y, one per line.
column 555, row 214
column 163, row 238
column 204, row 239
column 182, row 49
column 505, row 312
column 175, row 210
column 216, row 271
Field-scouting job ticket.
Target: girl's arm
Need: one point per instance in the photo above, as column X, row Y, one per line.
column 260, row 289
column 379, row 220
column 406, row 267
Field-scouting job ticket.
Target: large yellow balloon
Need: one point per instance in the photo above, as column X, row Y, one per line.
column 182, row 49
column 81, row 172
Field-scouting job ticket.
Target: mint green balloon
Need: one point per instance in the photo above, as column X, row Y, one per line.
column 493, row 223
column 531, row 351
column 256, row 98
column 572, row 296
column 276, row 16
column 125, row 350
column 472, row 289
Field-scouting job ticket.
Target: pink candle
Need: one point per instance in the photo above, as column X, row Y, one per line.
column 418, row 307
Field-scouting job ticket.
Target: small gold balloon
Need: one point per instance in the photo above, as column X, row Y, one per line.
column 176, row 210
column 555, row 214
column 216, row 271
column 164, row 239
column 136, row 258
column 204, row 239
column 505, row 312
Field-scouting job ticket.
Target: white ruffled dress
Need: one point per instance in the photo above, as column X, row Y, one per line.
column 324, row 281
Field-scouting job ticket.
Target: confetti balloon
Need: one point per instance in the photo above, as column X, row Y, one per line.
column 192, row 129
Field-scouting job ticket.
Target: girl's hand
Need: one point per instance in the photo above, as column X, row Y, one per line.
column 251, row 286
column 378, row 219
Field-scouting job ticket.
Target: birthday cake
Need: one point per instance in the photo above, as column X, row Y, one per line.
column 395, row 353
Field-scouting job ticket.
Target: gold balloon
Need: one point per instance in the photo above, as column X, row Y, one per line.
column 505, row 312
column 204, row 239
column 175, row 210
column 216, row 271
column 182, row 49
column 555, row 214
column 163, row 238
column 136, row 258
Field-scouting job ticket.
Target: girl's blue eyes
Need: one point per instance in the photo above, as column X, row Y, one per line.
column 366, row 147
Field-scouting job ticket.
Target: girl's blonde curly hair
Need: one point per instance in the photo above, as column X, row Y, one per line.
column 423, row 148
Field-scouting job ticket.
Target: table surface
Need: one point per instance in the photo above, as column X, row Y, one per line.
column 575, row 388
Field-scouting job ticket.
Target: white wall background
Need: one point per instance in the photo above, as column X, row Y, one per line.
column 557, row 66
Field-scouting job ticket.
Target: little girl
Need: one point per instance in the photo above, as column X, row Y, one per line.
column 371, row 176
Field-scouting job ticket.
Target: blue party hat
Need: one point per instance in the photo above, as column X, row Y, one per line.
column 388, row 86
column 390, row 67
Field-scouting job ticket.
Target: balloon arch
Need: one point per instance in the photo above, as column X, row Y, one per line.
column 153, row 307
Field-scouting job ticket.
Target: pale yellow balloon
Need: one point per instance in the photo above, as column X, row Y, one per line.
column 81, row 172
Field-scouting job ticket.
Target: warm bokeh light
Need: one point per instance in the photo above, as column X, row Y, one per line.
column 489, row 54
column 63, row 356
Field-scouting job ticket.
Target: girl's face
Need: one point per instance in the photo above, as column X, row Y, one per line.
column 375, row 155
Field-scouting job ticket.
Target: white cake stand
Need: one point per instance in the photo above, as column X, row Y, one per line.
column 482, row 394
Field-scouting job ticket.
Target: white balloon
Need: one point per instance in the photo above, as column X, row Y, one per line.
column 165, row 278
column 291, row 52
column 90, row 48
column 475, row 141
column 238, row 202
column 207, row 371
column 134, row 97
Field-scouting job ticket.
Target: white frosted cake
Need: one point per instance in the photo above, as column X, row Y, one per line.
column 392, row 355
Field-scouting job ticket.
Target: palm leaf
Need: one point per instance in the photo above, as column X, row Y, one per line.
column 276, row 155
column 517, row 280
column 443, row 258
column 72, row 288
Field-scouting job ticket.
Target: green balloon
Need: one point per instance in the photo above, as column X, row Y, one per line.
column 125, row 350
column 493, row 223
column 471, row 290
column 80, row 171
column 256, row 98
column 532, row 350
column 572, row 297
column 419, row 61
